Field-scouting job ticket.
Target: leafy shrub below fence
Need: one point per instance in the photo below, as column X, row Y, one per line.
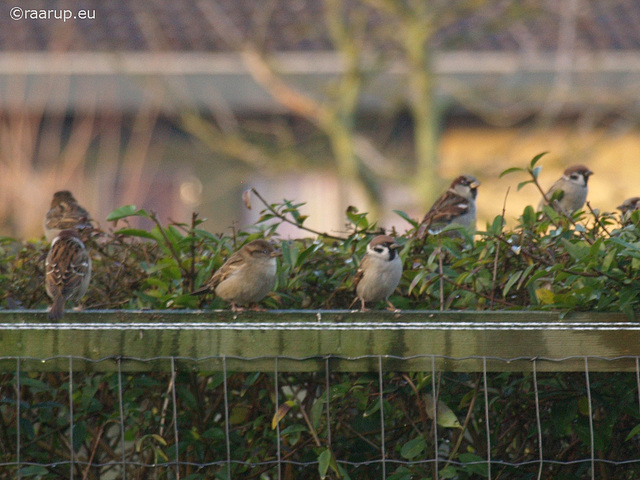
column 353, row 424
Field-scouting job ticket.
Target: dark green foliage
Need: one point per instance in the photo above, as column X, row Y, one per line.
column 547, row 261
column 353, row 422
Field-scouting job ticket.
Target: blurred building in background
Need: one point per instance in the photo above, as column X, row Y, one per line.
column 181, row 105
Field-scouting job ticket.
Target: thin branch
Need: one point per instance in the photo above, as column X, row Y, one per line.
column 597, row 219
column 421, row 406
column 285, row 219
column 93, row 450
column 314, row 434
column 441, row 266
column 475, row 292
column 295, row 101
column 495, row 260
column 464, row 425
column 154, row 217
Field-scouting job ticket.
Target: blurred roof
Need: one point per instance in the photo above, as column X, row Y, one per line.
column 185, row 50
column 296, row 25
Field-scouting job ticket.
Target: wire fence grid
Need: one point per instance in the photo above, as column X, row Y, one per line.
column 186, row 423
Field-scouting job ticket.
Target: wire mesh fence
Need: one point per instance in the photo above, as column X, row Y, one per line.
column 181, row 421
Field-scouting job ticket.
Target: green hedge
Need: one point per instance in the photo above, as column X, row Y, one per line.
column 345, row 444
column 547, row 261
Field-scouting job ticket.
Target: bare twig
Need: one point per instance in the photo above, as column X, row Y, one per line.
column 165, row 406
column 307, row 420
column 85, row 475
column 454, row 451
column 154, row 217
column 192, row 268
column 419, row 402
column 285, row 219
column 441, row 267
column 597, row 219
column 475, row 292
column 495, row 260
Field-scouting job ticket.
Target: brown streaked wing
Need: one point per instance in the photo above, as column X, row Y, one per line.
column 446, row 208
column 234, row 262
column 360, row 271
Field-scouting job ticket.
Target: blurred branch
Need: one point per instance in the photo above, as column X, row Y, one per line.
column 286, row 219
column 234, row 145
column 336, row 117
column 296, row 102
column 416, row 21
column 564, row 59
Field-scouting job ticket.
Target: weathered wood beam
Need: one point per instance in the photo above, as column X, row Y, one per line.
column 305, row 340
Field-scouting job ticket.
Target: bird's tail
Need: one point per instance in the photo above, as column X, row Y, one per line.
column 202, row 290
column 422, row 231
column 57, row 309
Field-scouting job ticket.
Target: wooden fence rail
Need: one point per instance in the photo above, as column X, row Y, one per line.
column 305, row 340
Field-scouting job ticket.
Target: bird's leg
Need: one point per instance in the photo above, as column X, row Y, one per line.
column 235, row 308
column 391, row 307
column 363, row 308
column 353, row 302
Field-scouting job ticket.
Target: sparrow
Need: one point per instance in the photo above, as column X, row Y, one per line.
column 573, row 188
column 246, row 277
column 67, row 271
column 379, row 272
column 65, row 213
column 457, row 206
column 627, row 207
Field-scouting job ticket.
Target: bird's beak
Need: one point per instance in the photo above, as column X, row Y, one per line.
column 394, row 246
column 276, row 253
column 475, row 184
column 588, row 173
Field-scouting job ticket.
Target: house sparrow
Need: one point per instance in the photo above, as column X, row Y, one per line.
column 573, row 185
column 66, row 213
column 627, row 207
column 67, row 271
column 379, row 272
column 246, row 277
column 457, row 206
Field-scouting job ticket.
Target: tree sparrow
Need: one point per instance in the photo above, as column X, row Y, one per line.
column 379, row 272
column 246, row 277
column 573, row 188
column 65, row 213
column 457, row 206
column 67, row 271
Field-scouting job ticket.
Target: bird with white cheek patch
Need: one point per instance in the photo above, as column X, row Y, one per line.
column 572, row 187
column 379, row 272
column 457, row 206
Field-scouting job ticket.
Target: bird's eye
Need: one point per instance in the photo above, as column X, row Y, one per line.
column 265, row 251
